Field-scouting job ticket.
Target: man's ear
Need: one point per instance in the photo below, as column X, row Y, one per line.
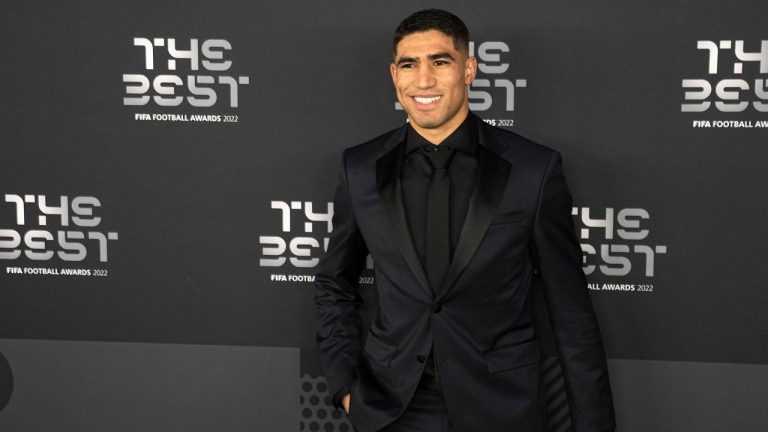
column 470, row 70
column 392, row 71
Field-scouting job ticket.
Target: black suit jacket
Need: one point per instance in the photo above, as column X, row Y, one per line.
column 518, row 227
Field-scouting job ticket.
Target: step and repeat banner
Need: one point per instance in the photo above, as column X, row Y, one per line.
column 167, row 170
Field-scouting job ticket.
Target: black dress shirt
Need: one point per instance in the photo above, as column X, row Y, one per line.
column 415, row 180
column 414, row 176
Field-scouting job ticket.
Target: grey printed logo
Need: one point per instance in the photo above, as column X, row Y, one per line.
column 735, row 79
column 198, row 76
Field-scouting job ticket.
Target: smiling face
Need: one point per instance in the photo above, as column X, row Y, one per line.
column 431, row 78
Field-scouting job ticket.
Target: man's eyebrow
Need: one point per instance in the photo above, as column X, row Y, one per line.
column 436, row 56
column 402, row 60
column 441, row 55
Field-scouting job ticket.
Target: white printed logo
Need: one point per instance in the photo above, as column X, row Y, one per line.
column 206, row 82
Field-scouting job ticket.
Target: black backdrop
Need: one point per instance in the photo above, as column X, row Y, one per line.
column 157, row 242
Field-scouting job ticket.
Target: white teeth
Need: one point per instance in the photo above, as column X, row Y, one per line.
column 426, row 100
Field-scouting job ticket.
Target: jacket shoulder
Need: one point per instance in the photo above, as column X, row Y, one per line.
column 514, row 147
column 374, row 146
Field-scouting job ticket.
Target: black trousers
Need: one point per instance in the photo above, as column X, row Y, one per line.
column 425, row 413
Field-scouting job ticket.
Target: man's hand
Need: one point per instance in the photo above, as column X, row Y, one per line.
column 345, row 402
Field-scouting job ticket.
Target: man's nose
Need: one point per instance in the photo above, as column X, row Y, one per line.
column 426, row 77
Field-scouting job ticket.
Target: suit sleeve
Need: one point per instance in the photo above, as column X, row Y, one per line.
column 339, row 326
column 558, row 257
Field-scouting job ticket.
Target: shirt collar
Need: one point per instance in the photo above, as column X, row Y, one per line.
column 464, row 138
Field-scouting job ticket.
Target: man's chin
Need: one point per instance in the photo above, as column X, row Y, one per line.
column 426, row 123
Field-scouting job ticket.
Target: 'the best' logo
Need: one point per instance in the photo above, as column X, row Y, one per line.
column 736, row 80
column 68, row 230
column 204, row 84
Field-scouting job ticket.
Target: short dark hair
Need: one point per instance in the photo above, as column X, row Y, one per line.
column 434, row 19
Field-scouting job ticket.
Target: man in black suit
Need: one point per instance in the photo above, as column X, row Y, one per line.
column 459, row 218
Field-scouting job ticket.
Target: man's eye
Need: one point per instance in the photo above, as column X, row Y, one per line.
column 440, row 62
column 406, row 65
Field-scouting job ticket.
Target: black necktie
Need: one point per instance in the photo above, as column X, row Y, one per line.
column 438, row 235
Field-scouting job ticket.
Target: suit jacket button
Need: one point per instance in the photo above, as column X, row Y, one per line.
column 437, row 307
column 421, row 358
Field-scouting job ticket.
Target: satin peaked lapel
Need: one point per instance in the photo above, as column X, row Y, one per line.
column 390, row 191
column 491, row 182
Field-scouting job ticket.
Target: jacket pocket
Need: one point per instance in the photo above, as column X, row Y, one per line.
column 512, row 356
column 378, row 350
